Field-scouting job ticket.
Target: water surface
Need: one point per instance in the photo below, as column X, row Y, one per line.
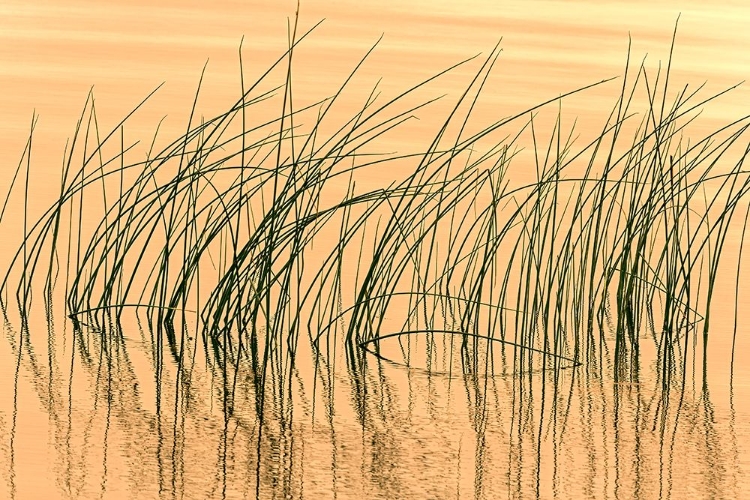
column 100, row 411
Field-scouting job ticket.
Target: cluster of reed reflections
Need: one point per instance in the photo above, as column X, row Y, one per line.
column 251, row 240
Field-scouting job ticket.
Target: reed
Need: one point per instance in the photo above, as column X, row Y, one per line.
column 248, row 225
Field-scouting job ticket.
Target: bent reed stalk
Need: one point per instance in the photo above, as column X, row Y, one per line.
column 252, row 229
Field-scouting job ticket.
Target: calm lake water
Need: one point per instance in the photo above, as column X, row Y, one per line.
column 123, row 408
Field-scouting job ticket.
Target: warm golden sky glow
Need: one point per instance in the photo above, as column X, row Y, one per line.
column 50, row 53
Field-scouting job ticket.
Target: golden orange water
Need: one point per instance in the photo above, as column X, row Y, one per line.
column 69, row 431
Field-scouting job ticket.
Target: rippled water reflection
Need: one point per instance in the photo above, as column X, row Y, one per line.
column 87, row 421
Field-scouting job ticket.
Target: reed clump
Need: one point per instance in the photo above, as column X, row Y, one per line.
column 253, row 229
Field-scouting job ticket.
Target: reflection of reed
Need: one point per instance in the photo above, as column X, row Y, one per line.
column 574, row 433
column 606, row 263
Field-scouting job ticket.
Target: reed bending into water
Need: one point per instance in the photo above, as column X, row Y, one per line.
column 252, row 225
